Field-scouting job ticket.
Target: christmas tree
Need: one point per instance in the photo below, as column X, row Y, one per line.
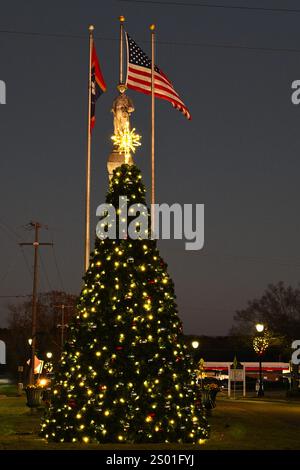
column 125, row 374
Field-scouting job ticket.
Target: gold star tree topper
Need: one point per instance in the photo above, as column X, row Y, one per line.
column 126, row 141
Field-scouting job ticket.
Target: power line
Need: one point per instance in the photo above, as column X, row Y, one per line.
column 9, row 231
column 28, row 228
column 163, row 43
column 56, row 262
column 214, row 6
column 10, row 268
column 45, row 271
column 14, row 296
column 58, row 270
column 255, row 259
column 26, row 263
column 36, row 244
column 36, row 33
column 228, row 46
column 53, row 35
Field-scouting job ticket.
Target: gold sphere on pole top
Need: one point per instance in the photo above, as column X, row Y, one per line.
column 152, row 27
column 121, row 88
column 91, row 28
column 122, row 19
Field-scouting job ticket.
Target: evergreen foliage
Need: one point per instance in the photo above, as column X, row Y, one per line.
column 125, row 374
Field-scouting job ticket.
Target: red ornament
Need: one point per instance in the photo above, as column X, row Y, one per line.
column 72, row 403
column 119, row 348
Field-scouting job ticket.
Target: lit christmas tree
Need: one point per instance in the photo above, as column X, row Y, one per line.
column 125, row 374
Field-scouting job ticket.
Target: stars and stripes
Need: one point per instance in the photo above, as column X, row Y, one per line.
column 98, row 85
column 139, row 77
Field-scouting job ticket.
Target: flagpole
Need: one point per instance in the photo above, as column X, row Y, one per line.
column 88, row 159
column 152, row 29
column 122, row 21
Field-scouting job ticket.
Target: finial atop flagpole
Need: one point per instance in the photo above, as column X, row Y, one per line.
column 91, row 28
column 152, row 27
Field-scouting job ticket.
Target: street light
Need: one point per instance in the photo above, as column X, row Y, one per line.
column 195, row 344
column 43, row 382
column 259, row 349
column 259, row 327
column 48, row 366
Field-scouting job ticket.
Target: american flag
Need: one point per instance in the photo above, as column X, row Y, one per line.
column 139, row 77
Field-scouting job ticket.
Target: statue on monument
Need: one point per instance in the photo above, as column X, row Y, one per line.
column 122, row 109
column 125, row 139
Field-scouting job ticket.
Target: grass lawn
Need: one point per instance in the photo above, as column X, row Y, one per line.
column 248, row 425
column 255, row 425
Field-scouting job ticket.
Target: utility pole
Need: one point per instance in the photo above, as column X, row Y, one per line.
column 62, row 325
column 35, row 244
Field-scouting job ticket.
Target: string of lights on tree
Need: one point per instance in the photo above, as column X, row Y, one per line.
column 261, row 342
column 125, row 374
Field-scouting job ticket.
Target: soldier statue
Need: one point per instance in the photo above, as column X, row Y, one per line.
column 122, row 108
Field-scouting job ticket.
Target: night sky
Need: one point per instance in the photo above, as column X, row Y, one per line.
column 240, row 154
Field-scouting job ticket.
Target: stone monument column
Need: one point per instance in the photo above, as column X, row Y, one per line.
column 122, row 108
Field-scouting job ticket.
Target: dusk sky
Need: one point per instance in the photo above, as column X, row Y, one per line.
column 239, row 155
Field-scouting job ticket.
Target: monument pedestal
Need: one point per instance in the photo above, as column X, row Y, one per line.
column 116, row 159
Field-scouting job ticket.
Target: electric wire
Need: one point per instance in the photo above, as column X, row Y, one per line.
column 213, row 6
column 56, row 262
column 9, row 231
column 44, row 270
column 255, row 259
column 165, row 43
column 15, row 296
column 10, row 268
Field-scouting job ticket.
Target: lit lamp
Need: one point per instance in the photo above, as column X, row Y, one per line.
column 48, row 366
column 259, row 327
column 43, row 382
column 30, row 341
column 259, row 347
column 195, row 344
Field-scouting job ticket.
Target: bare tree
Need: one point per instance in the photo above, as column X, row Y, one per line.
column 48, row 334
column 278, row 309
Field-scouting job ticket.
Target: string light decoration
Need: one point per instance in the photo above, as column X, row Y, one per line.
column 126, row 375
column 127, row 141
column 261, row 342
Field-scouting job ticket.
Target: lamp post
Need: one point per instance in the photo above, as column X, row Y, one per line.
column 195, row 351
column 260, row 329
column 49, row 366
